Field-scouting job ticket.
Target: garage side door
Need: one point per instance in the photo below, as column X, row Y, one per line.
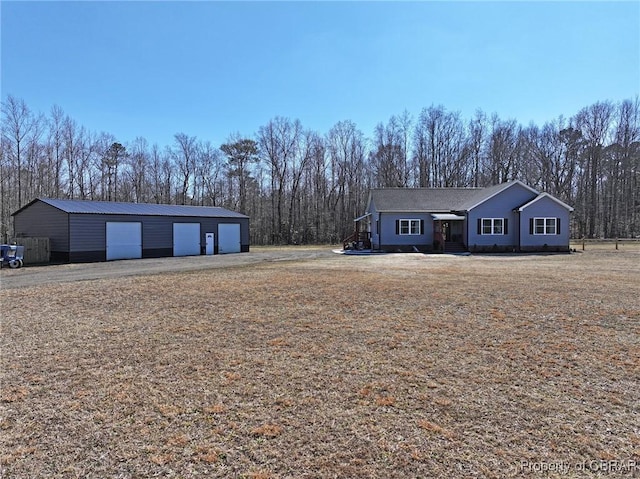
column 186, row 239
column 124, row 240
column 228, row 238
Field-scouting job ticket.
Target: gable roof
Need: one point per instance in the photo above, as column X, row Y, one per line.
column 140, row 209
column 489, row 192
column 545, row 195
column 419, row 199
column 436, row 200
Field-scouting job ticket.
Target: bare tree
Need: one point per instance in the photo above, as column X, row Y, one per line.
column 388, row 154
column 310, row 187
column 476, row 143
column 553, row 154
column 421, row 150
column 595, row 122
column 184, row 155
column 34, row 153
column 440, row 147
column 138, row 160
column 348, row 179
column 209, row 173
column 622, row 157
column 405, row 121
column 309, row 144
column 502, row 151
column 17, row 123
column 55, row 148
column 70, row 153
column 279, row 144
column 162, row 175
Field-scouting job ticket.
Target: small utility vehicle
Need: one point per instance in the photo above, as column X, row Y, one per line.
column 11, row 255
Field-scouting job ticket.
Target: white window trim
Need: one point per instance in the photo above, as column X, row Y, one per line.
column 493, row 226
column 409, row 222
column 545, row 226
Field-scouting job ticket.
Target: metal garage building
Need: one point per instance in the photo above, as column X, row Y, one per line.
column 87, row 231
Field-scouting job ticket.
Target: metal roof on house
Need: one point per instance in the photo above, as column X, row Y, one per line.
column 139, row 209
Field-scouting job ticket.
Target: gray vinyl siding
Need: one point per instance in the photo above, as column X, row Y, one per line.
column 499, row 201
column 375, row 226
column 500, row 206
column 390, row 239
column 544, row 208
column 43, row 221
column 383, row 230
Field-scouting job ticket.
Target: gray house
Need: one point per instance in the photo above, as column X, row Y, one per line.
column 87, row 231
column 507, row 217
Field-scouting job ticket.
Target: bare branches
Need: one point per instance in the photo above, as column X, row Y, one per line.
column 299, row 185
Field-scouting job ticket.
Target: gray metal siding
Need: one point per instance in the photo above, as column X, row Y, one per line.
column 88, row 231
column 544, row 208
column 500, row 206
column 82, row 236
column 157, row 231
column 42, row 220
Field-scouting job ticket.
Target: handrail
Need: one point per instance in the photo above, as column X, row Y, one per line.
column 356, row 237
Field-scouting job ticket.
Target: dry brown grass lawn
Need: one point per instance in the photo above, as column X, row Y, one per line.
column 387, row 366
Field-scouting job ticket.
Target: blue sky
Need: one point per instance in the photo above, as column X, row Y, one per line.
column 210, row 69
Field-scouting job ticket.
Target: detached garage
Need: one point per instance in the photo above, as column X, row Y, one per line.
column 87, row 231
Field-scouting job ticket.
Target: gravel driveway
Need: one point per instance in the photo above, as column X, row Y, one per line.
column 65, row 273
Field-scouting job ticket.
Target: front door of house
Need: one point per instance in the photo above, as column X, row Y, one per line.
column 445, row 230
column 454, row 232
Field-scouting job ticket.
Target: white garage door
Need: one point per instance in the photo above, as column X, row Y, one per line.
column 124, row 240
column 228, row 238
column 186, row 239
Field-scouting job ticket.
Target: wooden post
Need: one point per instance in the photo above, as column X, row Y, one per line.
column 616, row 242
column 583, row 243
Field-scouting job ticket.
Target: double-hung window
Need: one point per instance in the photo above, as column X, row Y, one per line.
column 409, row 227
column 545, row 226
column 493, row 226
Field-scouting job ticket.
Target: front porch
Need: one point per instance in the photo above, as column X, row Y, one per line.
column 360, row 239
column 448, row 233
column 431, row 233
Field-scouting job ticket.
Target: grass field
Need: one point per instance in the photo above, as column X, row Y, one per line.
column 371, row 367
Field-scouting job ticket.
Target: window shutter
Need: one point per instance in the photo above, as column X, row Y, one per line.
column 506, row 226
column 479, row 226
column 530, row 226
column 397, row 227
column 557, row 226
column 421, row 226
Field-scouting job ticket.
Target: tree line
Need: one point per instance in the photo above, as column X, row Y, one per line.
column 302, row 186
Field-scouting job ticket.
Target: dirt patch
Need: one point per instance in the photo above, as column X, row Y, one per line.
column 331, row 366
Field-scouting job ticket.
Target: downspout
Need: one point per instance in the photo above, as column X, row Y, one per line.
column 518, row 231
column 69, row 238
column 468, row 228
